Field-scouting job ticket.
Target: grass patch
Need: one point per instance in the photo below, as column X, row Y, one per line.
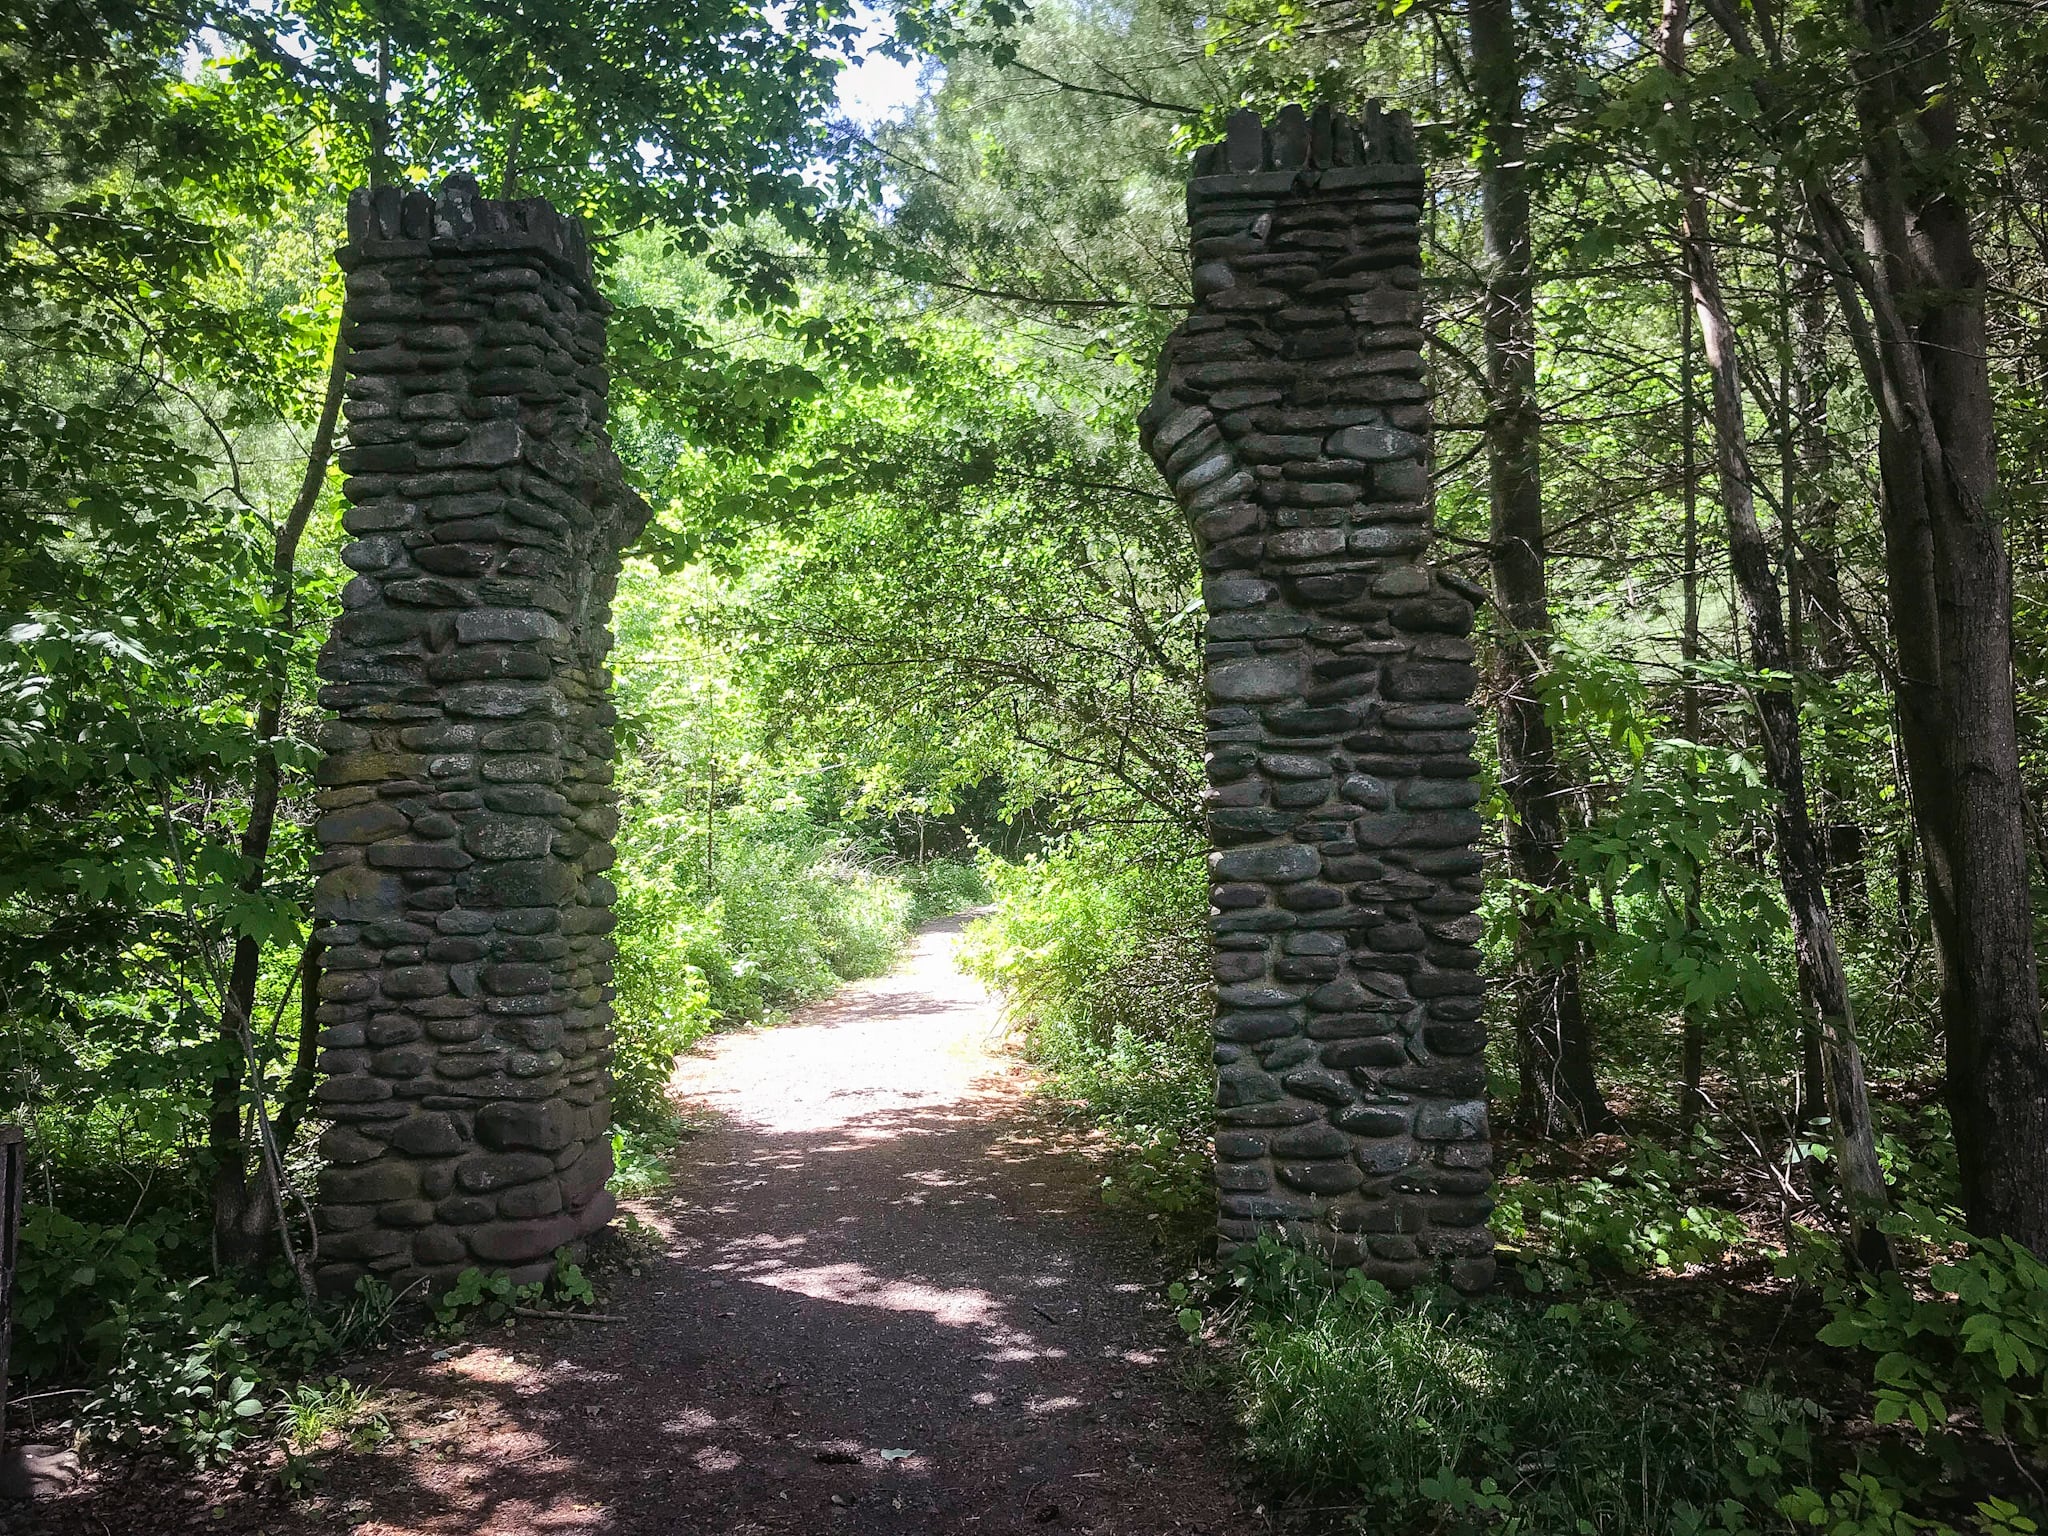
column 1429, row 1412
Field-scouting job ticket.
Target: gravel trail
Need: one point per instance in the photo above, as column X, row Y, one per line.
column 884, row 1297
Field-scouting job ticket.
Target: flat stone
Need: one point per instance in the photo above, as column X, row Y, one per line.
column 1279, row 863
column 1374, row 444
column 1256, row 680
column 31, row 1473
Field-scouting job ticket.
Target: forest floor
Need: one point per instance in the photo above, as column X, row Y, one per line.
column 881, row 1296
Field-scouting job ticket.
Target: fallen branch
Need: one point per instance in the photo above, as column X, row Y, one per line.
column 568, row 1317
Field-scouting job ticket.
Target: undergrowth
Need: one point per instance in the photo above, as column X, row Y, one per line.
column 199, row 1369
column 1099, row 951
column 784, row 913
column 1586, row 1397
column 172, row 1356
column 1434, row 1413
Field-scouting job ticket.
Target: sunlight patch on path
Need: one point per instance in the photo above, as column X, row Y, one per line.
column 925, row 1038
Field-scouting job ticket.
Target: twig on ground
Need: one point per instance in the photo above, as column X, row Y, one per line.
column 569, row 1317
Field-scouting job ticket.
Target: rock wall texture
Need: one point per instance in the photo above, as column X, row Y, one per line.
column 466, row 800
column 1292, row 423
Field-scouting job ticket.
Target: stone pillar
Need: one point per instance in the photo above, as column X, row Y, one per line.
column 466, row 799
column 1292, row 421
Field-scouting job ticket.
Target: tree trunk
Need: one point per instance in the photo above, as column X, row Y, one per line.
column 1802, row 867
column 1812, row 1063
column 1818, row 553
column 296, row 1096
column 1692, row 1099
column 1951, row 597
column 1554, row 1041
column 243, row 1205
column 1921, row 346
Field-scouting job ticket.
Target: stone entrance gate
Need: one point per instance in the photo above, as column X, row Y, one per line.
column 1292, row 422
column 466, row 796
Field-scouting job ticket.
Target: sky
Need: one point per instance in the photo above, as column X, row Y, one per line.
column 875, row 89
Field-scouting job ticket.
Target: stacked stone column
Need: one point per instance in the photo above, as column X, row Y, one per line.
column 466, row 797
column 1292, row 422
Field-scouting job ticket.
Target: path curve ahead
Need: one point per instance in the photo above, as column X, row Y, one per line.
column 878, row 1247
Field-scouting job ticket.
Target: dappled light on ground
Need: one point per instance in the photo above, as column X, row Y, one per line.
column 881, row 1297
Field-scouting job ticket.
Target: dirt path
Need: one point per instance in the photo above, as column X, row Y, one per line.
column 877, row 1247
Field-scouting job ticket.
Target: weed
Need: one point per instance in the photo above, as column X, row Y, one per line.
column 312, row 1411
column 1102, row 958
column 478, row 1296
column 1973, row 1339
column 1437, row 1414
column 640, row 1155
column 1634, row 1219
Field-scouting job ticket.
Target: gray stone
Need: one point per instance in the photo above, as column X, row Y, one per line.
column 1246, row 1027
column 508, row 1127
column 1375, row 444
column 1256, row 681
column 1321, row 1178
column 1339, row 682
column 490, row 513
column 1312, row 1141
column 1257, row 997
column 1279, row 863
column 1452, row 1122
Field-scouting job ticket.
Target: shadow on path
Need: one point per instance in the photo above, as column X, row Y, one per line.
column 879, row 1247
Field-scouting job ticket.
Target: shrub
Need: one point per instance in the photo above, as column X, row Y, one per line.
column 1636, row 1218
column 1100, row 950
column 1974, row 1337
column 196, row 1369
column 74, row 1280
column 942, row 887
column 663, row 1004
column 1439, row 1414
column 793, row 912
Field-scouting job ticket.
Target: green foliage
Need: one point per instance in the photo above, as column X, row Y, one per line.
column 1866, row 1503
column 490, row 1296
column 313, row 1410
column 943, row 887
column 482, row 1296
column 194, row 1370
column 568, row 1282
column 1436, row 1414
column 1098, row 949
column 187, row 1366
column 1635, row 1218
column 743, row 887
column 1973, row 1338
column 1676, row 921
column 314, row 1413
column 791, row 912
column 640, row 1149
column 197, row 1402
column 973, row 559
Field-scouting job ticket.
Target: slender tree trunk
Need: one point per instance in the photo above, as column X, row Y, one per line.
column 509, row 188
column 1951, row 595
column 1812, row 1066
column 1819, row 555
column 1921, row 346
column 1559, row 1092
column 296, row 1096
column 1802, row 869
column 380, row 120
column 1692, row 1101
column 242, row 1208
